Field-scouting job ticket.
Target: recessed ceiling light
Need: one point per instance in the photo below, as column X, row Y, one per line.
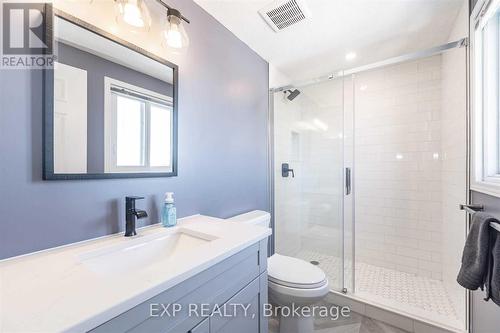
column 350, row 56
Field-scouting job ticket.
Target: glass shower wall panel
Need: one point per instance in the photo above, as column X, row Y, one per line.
column 350, row 187
column 309, row 137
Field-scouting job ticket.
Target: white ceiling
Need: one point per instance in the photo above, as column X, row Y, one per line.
column 374, row 29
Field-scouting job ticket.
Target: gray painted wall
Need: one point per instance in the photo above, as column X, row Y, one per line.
column 223, row 104
column 97, row 68
column 485, row 315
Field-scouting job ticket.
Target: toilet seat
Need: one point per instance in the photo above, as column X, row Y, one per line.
column 294, row 273
column 300, row 293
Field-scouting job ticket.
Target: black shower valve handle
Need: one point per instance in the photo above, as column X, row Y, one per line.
column 285, row 170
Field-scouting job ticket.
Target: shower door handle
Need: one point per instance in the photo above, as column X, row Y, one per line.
column 347, row 181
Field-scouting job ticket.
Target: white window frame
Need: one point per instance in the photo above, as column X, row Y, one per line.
column 485, row 122
column 110, row 130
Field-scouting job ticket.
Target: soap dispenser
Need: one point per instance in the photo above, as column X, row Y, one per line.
column 169, row 213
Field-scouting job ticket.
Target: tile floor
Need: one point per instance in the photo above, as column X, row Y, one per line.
column 355, row 323
column 406, row 292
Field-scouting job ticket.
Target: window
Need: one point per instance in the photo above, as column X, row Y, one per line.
column 138, row 129
column 485, row 99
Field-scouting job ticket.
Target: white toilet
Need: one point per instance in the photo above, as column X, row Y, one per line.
column 291, row 280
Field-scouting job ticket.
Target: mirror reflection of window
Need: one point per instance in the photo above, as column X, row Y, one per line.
column 138, row 127
column 130, row 132
column 161, row 125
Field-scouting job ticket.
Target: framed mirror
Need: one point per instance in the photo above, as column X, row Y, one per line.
column 110, row 107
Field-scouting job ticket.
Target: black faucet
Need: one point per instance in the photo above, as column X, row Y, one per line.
column 131, row 214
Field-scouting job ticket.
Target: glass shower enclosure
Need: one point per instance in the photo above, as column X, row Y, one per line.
column 369, row 166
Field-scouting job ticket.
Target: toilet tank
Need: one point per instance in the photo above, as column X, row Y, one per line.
column 256, row 217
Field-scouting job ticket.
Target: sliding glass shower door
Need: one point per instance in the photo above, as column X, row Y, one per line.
column 312, row 190
column 400, row 175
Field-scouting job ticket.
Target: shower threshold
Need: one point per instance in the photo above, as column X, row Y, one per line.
column 398, row 293
column 398, row 317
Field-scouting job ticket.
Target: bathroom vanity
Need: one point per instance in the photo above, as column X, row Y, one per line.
column 195, row 277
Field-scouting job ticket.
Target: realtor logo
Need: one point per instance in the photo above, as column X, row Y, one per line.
column 26, row 39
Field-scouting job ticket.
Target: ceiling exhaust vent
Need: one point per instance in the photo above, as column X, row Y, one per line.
column 281, row 14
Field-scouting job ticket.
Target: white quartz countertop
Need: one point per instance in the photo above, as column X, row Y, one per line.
column 52, row 291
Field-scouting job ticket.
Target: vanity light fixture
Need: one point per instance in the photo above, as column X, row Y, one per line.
column 135, row 15
column 175, row 35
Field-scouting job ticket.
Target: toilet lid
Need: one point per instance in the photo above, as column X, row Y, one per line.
column 293, row 272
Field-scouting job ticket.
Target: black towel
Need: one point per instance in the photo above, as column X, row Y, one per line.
column 477, row 251
column 492, row 282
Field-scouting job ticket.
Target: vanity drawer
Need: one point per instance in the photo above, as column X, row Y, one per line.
column 215, row 285
column 249, row 296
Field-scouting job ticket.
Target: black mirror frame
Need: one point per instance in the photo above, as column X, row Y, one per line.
column 48, row 110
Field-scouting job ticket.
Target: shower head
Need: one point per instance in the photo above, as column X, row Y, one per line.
column 292, row 94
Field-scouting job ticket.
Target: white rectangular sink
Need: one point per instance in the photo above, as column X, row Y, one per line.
column 143, row 251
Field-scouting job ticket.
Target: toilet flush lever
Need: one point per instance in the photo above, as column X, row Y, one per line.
column 285, row 170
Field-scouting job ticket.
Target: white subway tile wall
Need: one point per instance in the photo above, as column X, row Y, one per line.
column 398, row 167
